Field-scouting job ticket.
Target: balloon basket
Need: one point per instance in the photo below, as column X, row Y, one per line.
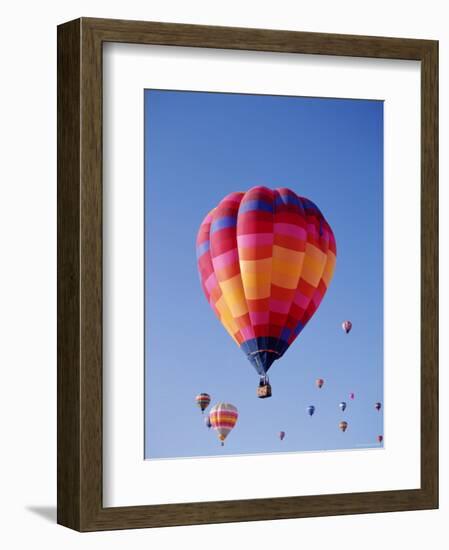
column 264, row 391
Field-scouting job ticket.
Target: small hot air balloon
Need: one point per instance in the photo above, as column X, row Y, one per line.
column 266, row 258
column 378, row 406
column 342, row 406
column 310, row 410
column 223, row 417
column 319, row 382
column 351, row 395
column 380, row 438
column 207, row 421
column 343, row 425
column 203, row 400
column 346, row 326
column 281, row 435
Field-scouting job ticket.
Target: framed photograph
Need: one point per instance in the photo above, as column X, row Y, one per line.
column 247, row 274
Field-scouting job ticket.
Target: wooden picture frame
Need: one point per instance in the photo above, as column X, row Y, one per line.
column 80, row 418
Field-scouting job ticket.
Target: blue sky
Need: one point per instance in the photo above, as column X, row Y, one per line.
column 200, row 147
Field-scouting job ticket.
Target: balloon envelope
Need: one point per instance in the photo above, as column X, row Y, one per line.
column 351, row 395
column 202, row 400
column 223, row 417
column 343, row 425
column 265, row 258
column 378, row 406
column 380, row 438
column 207, row 421
column 281, row 435
column 342, row 405
column 319, row 382
column 346, row 326
column 310, row 410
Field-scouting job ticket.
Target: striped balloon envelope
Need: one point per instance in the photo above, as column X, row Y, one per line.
column 265, row 259
column 202, row 400
column 223, row 417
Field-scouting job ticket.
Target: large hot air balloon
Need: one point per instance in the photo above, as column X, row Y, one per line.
column 346, row 326
column 342, row 406
column 202, row 400
column 378, row 406
column 310, row 410
column 319, row 382
column 281, row 435
column 223, row 417
column 265, row 258
column 343, row 425
column 380, row 438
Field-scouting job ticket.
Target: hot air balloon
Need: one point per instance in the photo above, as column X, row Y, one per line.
column 203, row 400
column 223, row 417
column 352, row 395
column 207, row 421
column 342, row 406
column 281, row 435
column 380, row 438
column 265, row 258
column 319, row 382
column 346, row 326
column 343, row 425
column 378, row 406
column 310, row 410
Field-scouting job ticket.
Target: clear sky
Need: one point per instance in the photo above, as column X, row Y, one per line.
column 198, row 148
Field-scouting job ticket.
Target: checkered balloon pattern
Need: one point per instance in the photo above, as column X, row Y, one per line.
column 265, row 259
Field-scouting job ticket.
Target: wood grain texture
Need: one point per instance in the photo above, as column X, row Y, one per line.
column 69, row 407
column 429, row 272
column 80, row 274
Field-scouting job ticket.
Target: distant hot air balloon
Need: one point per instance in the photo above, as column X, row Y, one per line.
column 346, row 326
column 342, row 406
column 343, row 425
column 351, row 395
column 203, row 400
column 380, row 438
column 223, row 417
column 281, row 435
column 207, row 421
column 378, row 406
column 319, row 383
column 310, row 410
column 265, row 258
